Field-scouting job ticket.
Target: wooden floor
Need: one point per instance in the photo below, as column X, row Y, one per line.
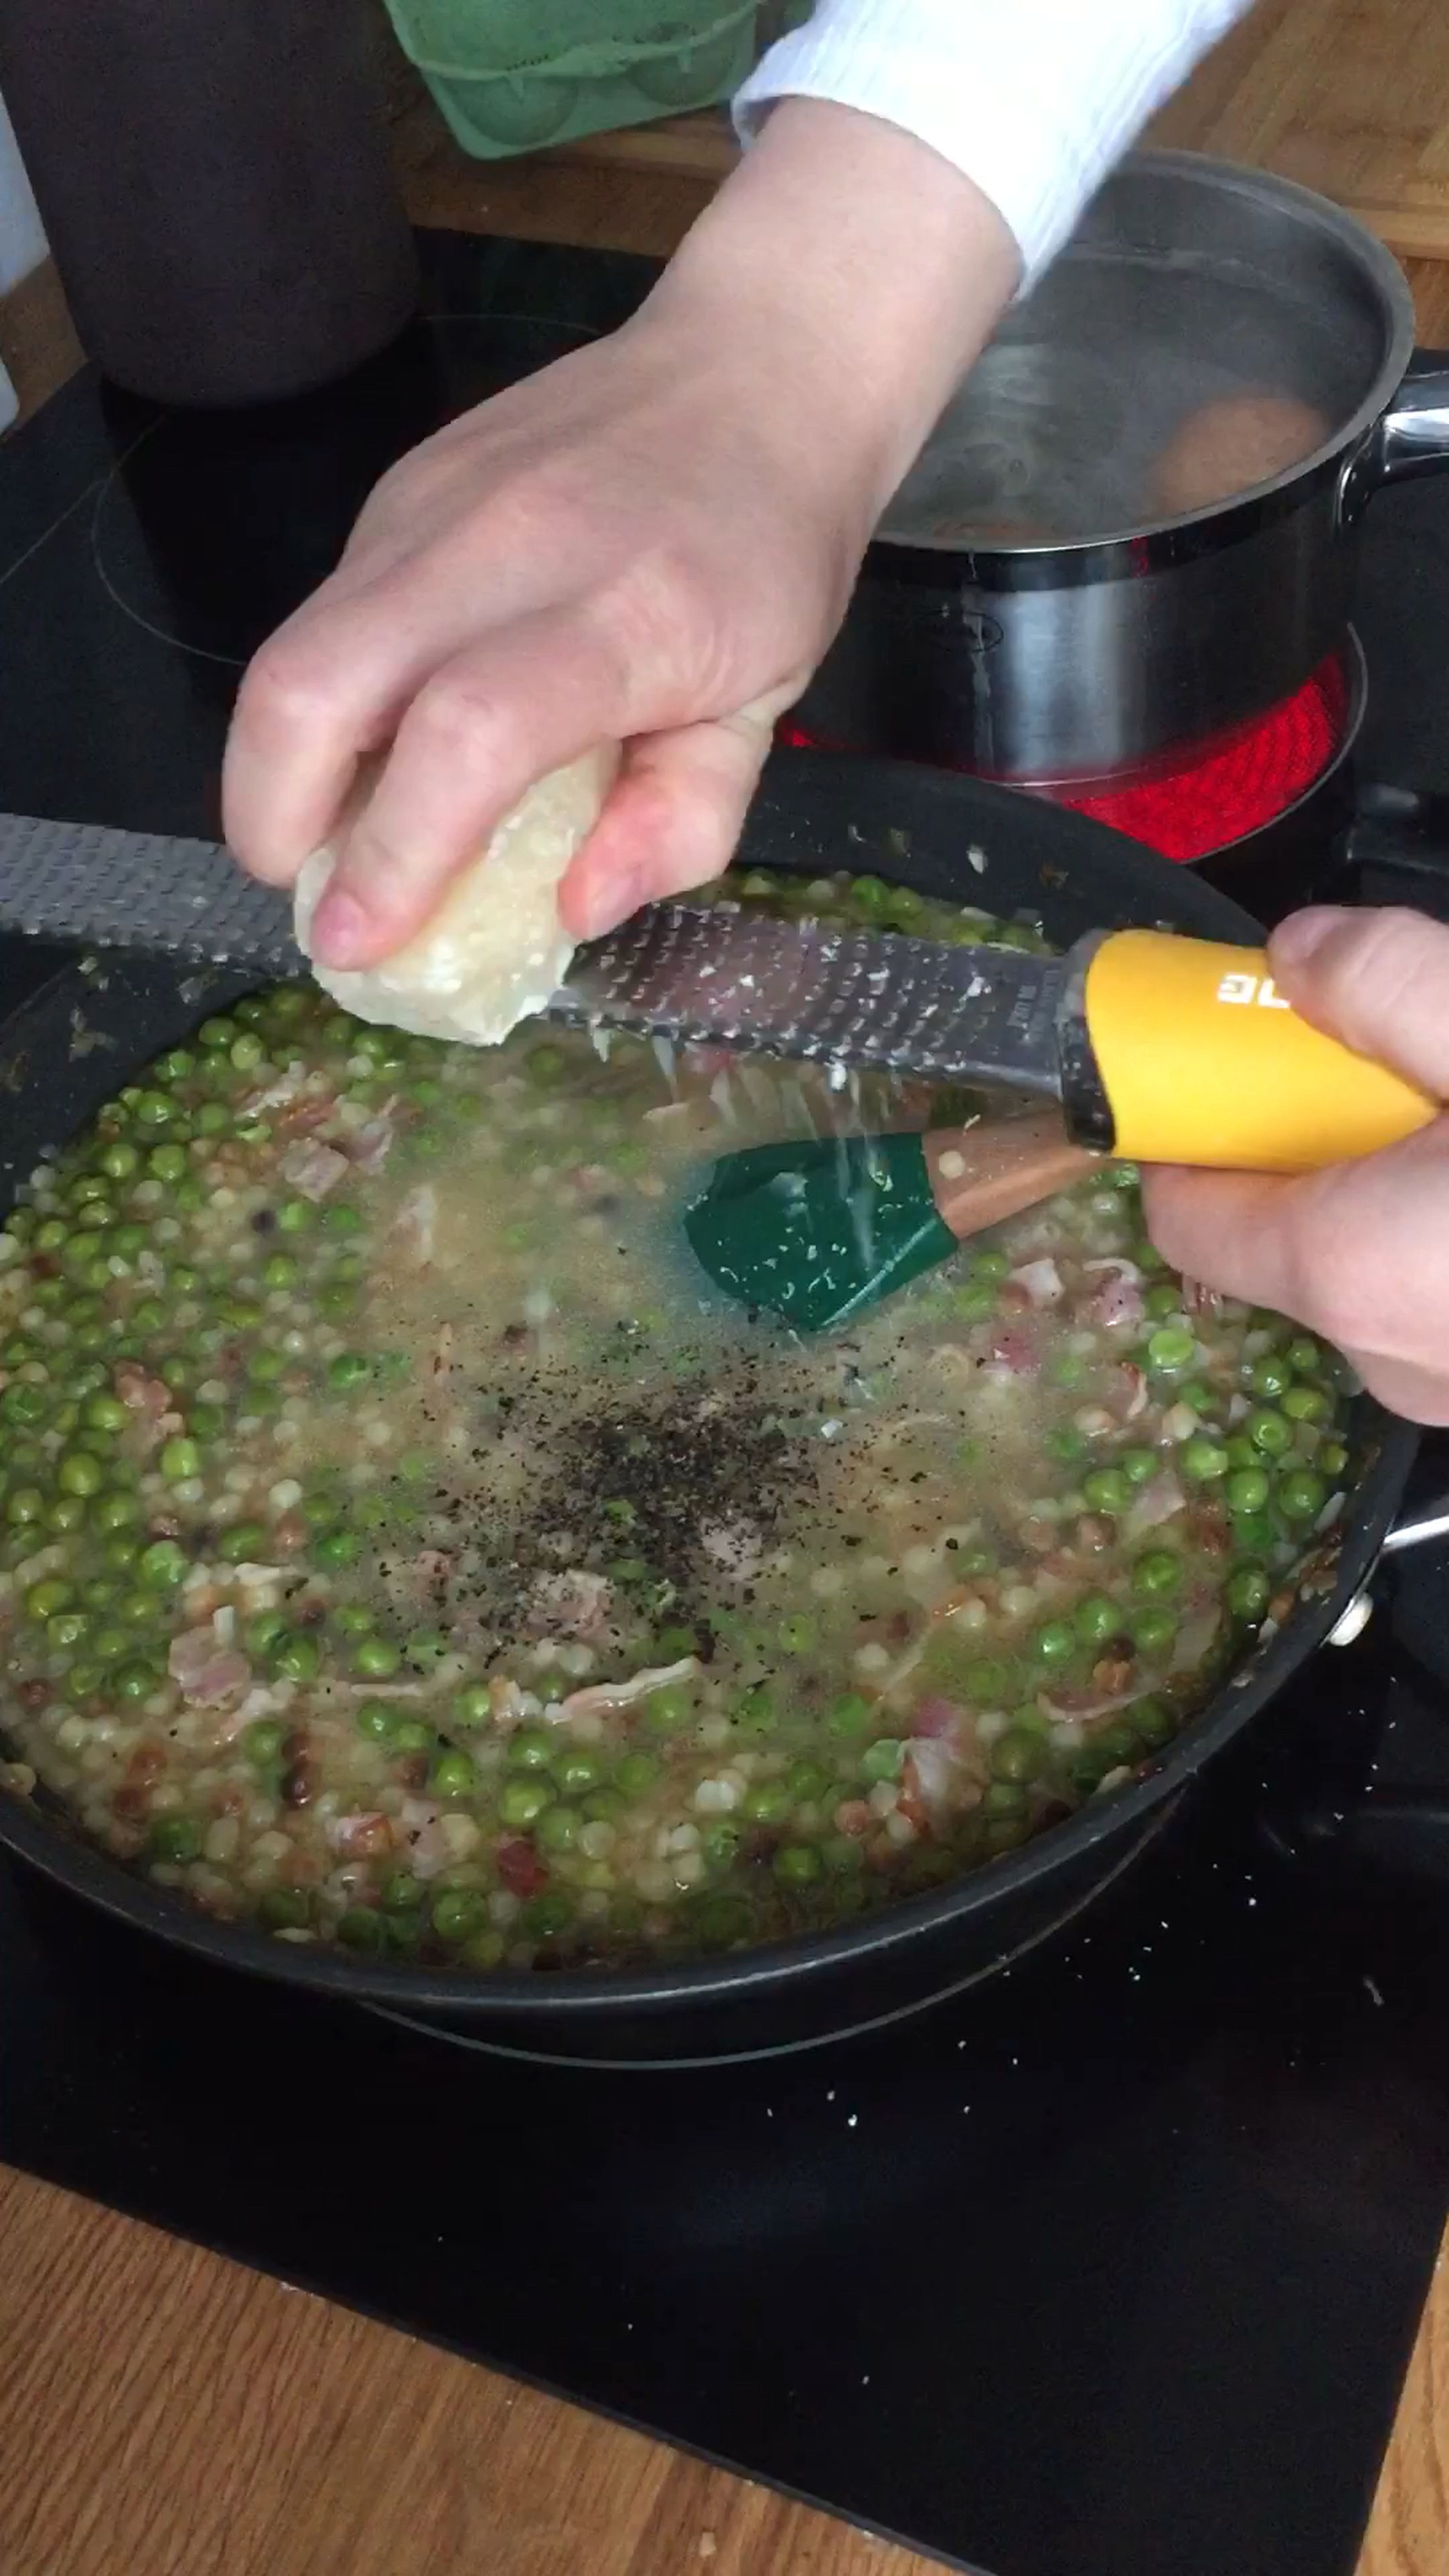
column 163, row 2413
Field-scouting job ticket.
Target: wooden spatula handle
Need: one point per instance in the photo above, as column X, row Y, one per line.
column 982, row 1175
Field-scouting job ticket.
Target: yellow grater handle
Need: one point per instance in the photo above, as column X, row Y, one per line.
column 1203, row 1062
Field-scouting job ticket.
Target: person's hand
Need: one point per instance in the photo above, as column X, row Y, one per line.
column 1359, row 1253
column 651, row 542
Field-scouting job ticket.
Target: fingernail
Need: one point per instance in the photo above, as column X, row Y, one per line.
column 1299, row 938
column 341, row 932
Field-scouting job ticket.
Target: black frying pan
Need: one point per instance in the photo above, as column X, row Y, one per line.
column 812, row 814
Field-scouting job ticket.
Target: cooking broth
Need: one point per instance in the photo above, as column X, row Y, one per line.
column 403, row 1547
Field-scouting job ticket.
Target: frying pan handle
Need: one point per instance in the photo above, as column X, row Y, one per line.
column 1402, row 832
column 1410, row 438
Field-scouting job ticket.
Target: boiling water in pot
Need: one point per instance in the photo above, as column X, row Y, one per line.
column 1059, row 435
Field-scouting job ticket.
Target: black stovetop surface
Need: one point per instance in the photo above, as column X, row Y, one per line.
column 1109, row 2269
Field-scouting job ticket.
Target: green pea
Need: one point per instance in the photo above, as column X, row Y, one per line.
column 102, row 1412
column 263, row 1631
column 80, row 1473
column 362, row 1928
column 297, row 1656
column 523, row 1801
column 798, row 1864
column 1199, row 1399
column 1247, row 1490
column 1307, row 1404
column 1004, row 1798
column 245, row 1543
column 850, row 1716
column 43, row 1600
column 1156, row 1572
column 266, row 1368
column 558, row 1829
column 454, row 1775
column 578, row 1771
column 120, row 1161
column 1304, row 1356
column 720, row 1842
column 179, row 1459
column 1153, row 1632
column 109, row 1645
column 69, row 1629
column 413, row 1735
column 353, row 1619
column 217, row 1033
column 337, row 1547
column 1055, row 1642
column 1301, row 1494
column 24, row 1506
column 807, row 1783
column 66, row 1515
column 1096, row 1619
column 1170, row 1348
column 635, row 1773
column 376, row 1659
column 754, row 1711
column 991, row 1266
column 153, row 1109
column 1333, row 1457
column 1270, row 1377
column 1269, row 1431
column 1247, row 1592
column 474, row 1706
column 280, row 1271
column 1018, row 1755
column 25, row 1403
column 547, row 1916
column 883, row 1759
column 545, row 1064
column 136, row 1682
column 167, row 1162
column 294, row 1216
column 530, row 1748
column 284, row 1909
column 1107, row 1489
column 174, row 1838
column 797, row 1636
column 378, row 1720
column 348, row 1369
column 767, row 1802
column 339, row 1218
column 458, row 1913
column 990, row 1683
column 976, row 1302
column 1204, row 1460
column 262, row 1741
column 1163, row 1300
column 402, row 1893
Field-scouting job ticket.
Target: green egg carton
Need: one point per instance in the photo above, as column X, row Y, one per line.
column 513, row 75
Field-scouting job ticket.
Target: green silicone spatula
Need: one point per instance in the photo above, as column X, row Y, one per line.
column 815, row 1230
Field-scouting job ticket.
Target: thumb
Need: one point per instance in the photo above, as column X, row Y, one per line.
column 1377, row 981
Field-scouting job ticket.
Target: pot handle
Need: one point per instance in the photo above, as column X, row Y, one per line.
column 1411, row 437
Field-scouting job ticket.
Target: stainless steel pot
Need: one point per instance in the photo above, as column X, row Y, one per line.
column 1114, row 637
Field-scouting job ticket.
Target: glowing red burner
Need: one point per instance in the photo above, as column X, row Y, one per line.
column 1243, row 781
column 1227, row 788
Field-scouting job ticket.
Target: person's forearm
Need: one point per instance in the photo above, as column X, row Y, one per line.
column 870, row 265
column 1032, row 99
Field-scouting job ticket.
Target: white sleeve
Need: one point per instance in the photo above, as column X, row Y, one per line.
column 1033, row 99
